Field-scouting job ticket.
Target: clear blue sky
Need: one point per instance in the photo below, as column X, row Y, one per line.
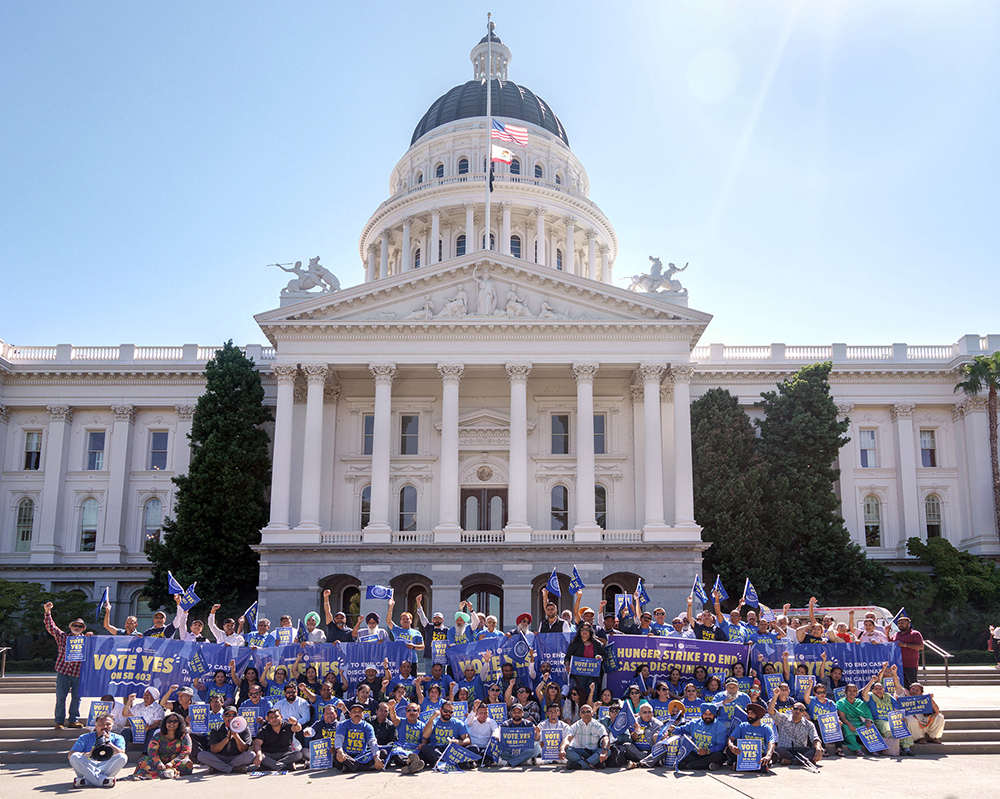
column 828, row 167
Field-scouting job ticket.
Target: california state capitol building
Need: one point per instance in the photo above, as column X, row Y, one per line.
column 486, row 406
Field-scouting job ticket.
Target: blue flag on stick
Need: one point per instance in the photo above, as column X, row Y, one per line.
column 684, row 747
column 640, row 589
column 553, row 584
column 575, row 583
column 698, row 590
column 301, row 636
column 99, row 612
column 723, row 596
column 750, row 593
column 900, row 615
column 378, row 592
column 624, row 721
column 250, row 614
column 173, row 587
column 189, row 598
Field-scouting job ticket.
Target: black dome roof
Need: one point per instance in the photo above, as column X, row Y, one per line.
column 509, row 100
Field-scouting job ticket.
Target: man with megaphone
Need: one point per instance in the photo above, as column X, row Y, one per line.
column 98, row 756
column 229, row 745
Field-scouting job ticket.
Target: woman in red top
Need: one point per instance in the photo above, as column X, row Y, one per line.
column 584, row 645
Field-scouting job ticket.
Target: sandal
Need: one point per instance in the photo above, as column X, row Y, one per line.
column 839, row 751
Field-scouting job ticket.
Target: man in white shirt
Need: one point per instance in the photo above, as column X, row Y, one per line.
column 481, row 727
column 589, row 739
column 227, row 635
column 293, row 706
column 149, row 710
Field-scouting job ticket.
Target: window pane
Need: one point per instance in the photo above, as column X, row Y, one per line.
column 33, row 451
column 928, row 449
column 88, row 525
column 515, row 246
column 439, row 171
column 471, row 513
column 158, row 451
column 560, row 508
column 366, row 506
column 560, row 434
column 599, row 439
column 408, row 439
column 515, row 167
column 408, row 509
column 496, row 513
column 601, row 506
column 538, row 170
column 463, row 166
column 25, row 525
column 154, row 521
column 368, row 434
column 95, row 450
column 460, row 246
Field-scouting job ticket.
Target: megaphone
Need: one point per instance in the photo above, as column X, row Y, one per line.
column 238, row 724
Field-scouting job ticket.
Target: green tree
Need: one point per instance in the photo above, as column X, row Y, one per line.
column 21, row 614
column 800, row 439
column 983, row 373
column 730, row 490
column 222, row 502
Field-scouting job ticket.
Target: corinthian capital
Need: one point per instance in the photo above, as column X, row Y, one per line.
column 518, row 372
column 901, row 410
column 316, row 372
column 585, row 372
column 682, row 372
column 651, row 372
column 451, row 372
column 383, row 373
column 124, row 413
column 284, row 372
column 60, row 413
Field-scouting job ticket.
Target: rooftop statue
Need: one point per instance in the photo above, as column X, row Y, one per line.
column 656, row 281
column 313, row 276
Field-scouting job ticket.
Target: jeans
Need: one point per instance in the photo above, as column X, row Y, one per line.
column 67, row 685
column 585, row 758
column 522, row 757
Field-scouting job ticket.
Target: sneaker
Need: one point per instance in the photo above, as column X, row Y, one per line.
column 79, row 782
column 239, row 770
column 417, row 766
column 534, row 761
column 908, row 752
column 109, row 782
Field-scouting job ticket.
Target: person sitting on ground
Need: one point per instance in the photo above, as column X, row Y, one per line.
column 854, row 713
column 409, row 738
column 642, row 737
column 709, row 735
column 727, row 701
column 385, row 730
column 519, row 757
column 481, row 727
column 149, row 710
column 98, row 756
column 753, row 728
column 797, row 737
column 255, row 699
column 818, row 701
column 292, row 706
column 924, row 727
column 274, row 746
column 168, row 753
column 586, row 743
column 130, row 628
column 228, row 751
column 554, row 724
column 441, row 729
column 881, row 703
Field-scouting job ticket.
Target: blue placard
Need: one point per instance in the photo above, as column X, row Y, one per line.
column 551, row 744
column 98, row 708
column 622, row 601
column 498, row 712
column 803, row 681
column 74, row 648
column 284, row 635
column 198, row 719
column 585, row 667
column 751, row 750
column 771, row 683
column 897, row 725
column 369, row 638
column 197, row 666
column 138, row 729
column 839, row 693
column 460, row 709
column 215, row 721
column 250, row 714
column 829, row 727
column 672, row 747
column 189, row 599
column 603, row 713
column 320, row 753
column 454, row 754
column 872, row 740
column 911, row 705
column 516, row 739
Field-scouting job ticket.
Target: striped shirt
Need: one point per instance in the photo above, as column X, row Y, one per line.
column 62, row 667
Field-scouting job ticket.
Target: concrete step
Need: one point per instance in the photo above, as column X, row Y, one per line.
column 963, row 748
column 971, row 713
column 962, row 736
column 972, row 724
column 35, row 733
column 22, row 756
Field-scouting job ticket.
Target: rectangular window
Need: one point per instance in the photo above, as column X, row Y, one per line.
column 158, row 451
column 33, row 451
column 928, row 448
column 600, row 439
column 601, row 506
column 560, row 434
column 367, row 434
column 408, row 434
column 868, row 452
column 88, row 526
column 25, row 525
column 95, row 451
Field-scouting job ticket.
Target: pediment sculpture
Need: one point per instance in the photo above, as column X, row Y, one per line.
column 315, row 275
column 655, row 281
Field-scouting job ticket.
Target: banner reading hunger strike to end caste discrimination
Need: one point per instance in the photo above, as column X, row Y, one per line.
column 629, row 652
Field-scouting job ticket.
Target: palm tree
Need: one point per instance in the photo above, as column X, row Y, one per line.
column 984, row 373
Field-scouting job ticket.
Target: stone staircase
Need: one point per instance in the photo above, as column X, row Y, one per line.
column 29, row 684
column 960, row 675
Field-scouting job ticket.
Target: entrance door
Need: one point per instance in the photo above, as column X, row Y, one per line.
column 484, row 509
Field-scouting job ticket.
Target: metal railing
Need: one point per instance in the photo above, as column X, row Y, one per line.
column 3, row 661
column 941, row 653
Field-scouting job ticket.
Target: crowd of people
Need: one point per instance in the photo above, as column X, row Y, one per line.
column 406, row 717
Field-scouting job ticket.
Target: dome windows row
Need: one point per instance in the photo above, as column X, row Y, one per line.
column 514, row 168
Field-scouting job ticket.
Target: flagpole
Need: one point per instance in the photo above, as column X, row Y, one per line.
column 489, row 122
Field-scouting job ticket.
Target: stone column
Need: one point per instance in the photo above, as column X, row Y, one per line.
column 981, row 532
column 383, row 268
column 586, row 528
column 638, row 453
column 407, row 259
column 51, row 523
column 378, row 529
column 281, row 468
column 448, row 528
column 312, row 448
column 182, row 453
column 683, row 473
column 592, row 254
column 848, row 490
column 470, row 228
column 435, row 236
column 540, row 235
column 505, row 228
column 112, row 545
column 906, row 473
column 650, row 375
column 605, row 265
column 370, row 273
column 569, row 261
column 517, row 528
column 447, row 243
column 4, row 426
column 667, row 439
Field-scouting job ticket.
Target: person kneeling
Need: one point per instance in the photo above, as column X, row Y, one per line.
column 98, row 756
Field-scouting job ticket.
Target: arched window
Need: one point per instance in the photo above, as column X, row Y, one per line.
column 559, row 508
column 408, row 510
column 538, row 170
column 471, row 513
column 610, row 590
column 350, row 604
column 558, row 179
column 601, row 506
column 873, row 521
column 366, row 506
column 485, row 598
column 496, row 513
column 439, row 171
column 463, row 166
column 515, row 246
column 493, row 242
column 88, row 525
column 25, row 525
column 932, row 514
column 460, row 246
column 440, row 250
column 420, row 177
column 559, row 264
column 515, row 167
column 416, row 258
column 152, row 522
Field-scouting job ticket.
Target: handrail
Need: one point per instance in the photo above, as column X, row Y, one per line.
column 941, row 653
column 3, row 661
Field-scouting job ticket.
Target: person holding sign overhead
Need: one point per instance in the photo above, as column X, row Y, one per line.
column 67, row 672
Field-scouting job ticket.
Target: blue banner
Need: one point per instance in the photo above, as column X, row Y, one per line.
column 829, row 727
column 250, row 714
column 439, row 652
column 460, row 709
column 872, row 740
column 585, row 667
column 662, row 654
column 750, row 754
column 492, row 750
column 770, row 683
column 138, row 730
column 321, row 753
column 803, row 681
column 698, row 590
column 490, row 654
column 454, row 755
column 575, row 583
column 74, row 648
column 859, row 661
column 99, row 611
column 912, row 705
column 516, row 739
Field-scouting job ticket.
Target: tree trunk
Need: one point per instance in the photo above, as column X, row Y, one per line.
column 991, row 407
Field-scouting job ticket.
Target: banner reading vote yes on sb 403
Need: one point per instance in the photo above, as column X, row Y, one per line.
column 123, row 665
column 629, row 652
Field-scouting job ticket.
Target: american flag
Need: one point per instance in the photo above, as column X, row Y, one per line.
column 509, row 133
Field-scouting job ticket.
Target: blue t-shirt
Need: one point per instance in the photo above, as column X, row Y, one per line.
column 410, row 636
column 276, row 690
column 726, row 711
column 467, row 636
column 660, row 709
column 706, row 736
column 483, row 634
column 444, row 682
column 86, row 742
column 410, row 735
column 227, row 691
column 406, row 682
column 475, row 687
column 262, row 640
column 738, row 633
column 262, row 707
column 757, row 637
column 356, row 740
column 815, row 706
column 748, row 730
column 660, row 629
column 444, row 731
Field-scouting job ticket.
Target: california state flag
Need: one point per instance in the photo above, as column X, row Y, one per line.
column 502, row 154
